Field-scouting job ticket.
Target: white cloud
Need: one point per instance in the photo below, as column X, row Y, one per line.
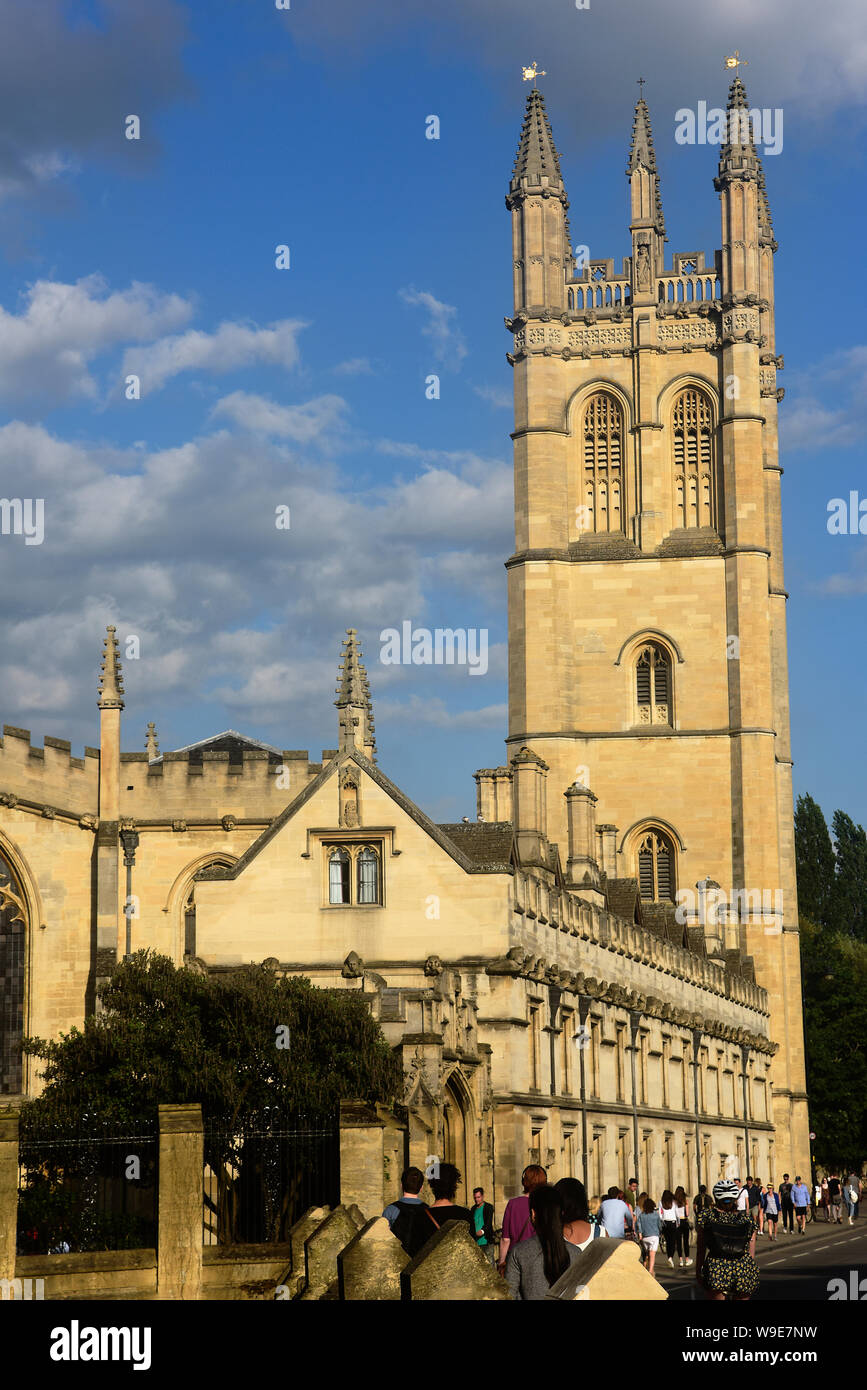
column 354, row 366
column 496, row 396
column 237, row 620
column 441, row 326
column 318, row 420
column 46, row 349
column 230, row 346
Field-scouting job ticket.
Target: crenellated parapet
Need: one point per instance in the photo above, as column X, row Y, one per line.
column 48, row 775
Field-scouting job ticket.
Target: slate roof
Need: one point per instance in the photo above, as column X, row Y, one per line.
column 487, row 843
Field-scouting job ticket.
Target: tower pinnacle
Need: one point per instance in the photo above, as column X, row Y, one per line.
column 537, row 162
column 642, row 153
column 152, row 743
column 111, row 678
column 353, row 700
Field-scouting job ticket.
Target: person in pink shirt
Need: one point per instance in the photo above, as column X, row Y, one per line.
column 517, row 1222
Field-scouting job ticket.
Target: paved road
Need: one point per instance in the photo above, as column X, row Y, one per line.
column 794, row 1267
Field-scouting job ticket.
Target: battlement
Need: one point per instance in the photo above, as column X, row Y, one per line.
column 48, row 775
column 206, row 784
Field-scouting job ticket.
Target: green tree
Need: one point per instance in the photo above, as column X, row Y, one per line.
column 815, row 863
column 244, row 1044
column 851, row 878
column 258, row 1052
column 834, row 979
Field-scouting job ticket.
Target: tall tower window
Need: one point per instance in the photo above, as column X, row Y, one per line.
column 655, row 867
column 603, row 463
column 692, row 435
column 653, row 685
column 13, row 926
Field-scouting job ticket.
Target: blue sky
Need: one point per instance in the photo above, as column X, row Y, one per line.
column 306, row 387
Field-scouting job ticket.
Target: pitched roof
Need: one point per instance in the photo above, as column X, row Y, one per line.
column 452, row 847
column 486, row 843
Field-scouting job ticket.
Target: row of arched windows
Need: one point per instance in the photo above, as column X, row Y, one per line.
column 693, row 457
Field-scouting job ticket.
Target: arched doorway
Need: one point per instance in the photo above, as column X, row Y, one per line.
column 13, row 941
column 189, row 937
column 456, row 1136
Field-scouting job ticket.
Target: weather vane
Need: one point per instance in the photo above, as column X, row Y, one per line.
column 736, row 62
column 530, row 74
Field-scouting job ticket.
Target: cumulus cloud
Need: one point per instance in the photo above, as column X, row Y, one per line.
column 237, row 619
column 46, row 350
column 826, row 407
column 317, row 421
column 229, row 347
column 440, row 326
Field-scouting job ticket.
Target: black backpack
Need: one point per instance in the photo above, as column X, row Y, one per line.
column 412, row 1226
column 725, row 1241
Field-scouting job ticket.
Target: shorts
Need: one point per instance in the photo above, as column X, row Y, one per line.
column 649, row 1244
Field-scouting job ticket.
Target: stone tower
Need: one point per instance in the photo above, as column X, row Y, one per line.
column 647, row 626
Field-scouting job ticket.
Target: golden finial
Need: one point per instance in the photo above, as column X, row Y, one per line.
column 530, row 74
column 736, row 62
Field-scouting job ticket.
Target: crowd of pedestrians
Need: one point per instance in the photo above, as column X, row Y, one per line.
column 549, row 1224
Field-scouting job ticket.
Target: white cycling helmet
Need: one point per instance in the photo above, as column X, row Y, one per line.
column 726, row 1191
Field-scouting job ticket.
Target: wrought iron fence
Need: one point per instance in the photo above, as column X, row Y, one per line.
column 258, row 1183
column 87, row 1193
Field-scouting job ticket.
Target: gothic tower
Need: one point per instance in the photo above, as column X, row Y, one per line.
column 647, row 628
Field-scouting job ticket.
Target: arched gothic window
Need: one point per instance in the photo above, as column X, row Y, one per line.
column 367, row 867
column 13, row 930
column 339, row 865
column 655, row 867
column 693, row 444
column 653, row 685
column 602, row 435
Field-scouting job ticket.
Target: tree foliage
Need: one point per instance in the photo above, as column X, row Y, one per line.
column 172, row 1036
column 834, row 977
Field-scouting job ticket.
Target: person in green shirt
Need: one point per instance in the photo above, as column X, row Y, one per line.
column 483, row 1224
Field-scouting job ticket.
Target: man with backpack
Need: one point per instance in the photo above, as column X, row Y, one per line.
column 406, row 1215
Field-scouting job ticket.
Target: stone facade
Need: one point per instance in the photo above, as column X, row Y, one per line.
column 552, row 995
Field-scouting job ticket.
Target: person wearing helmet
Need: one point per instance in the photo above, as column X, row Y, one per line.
column 725, row 1262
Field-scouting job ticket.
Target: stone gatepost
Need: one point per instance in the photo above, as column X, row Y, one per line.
column 362, row 1175
column 8, row 1194
column 181, row 1201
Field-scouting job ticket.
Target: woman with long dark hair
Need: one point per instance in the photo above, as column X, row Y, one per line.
column 535, row 1264
column 670, row 1224
column 681, row 1205
column 578, row 1229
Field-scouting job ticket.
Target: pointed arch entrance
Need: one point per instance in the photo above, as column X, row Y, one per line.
column 458, row 1146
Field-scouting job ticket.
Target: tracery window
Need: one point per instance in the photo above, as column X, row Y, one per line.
column 354, row 875
column 602, row 435
column 693, row 445
column 655, row 866
column 13, row 936
column 653, row 682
